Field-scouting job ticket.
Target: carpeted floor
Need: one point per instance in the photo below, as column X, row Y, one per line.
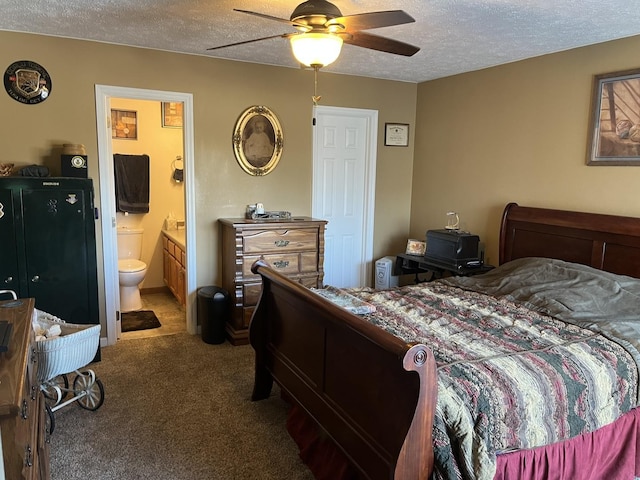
column 176, row 408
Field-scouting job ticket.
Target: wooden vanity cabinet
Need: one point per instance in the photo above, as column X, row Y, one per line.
column 174, row 269
column 293, row 247
column 25, row 447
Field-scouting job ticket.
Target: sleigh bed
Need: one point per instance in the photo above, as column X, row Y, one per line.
column 374, row 397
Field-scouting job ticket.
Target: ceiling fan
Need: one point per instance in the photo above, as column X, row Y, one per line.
column 321, row 22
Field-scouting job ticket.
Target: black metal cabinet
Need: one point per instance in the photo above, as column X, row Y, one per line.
column 48, row 245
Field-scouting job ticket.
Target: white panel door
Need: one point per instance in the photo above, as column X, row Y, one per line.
column 343, row 191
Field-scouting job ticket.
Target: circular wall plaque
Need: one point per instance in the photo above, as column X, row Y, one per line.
column 27, row 82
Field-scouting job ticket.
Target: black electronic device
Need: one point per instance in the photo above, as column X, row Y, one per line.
column 73, row 166
column 453, row 249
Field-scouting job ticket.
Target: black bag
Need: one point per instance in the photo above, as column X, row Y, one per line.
column 34, row 171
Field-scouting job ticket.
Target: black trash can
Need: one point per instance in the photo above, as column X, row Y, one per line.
column 213, row 310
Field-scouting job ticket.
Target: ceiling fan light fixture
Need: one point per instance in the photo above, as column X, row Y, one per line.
column 316, row 49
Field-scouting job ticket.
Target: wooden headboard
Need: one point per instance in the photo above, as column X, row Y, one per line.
column 606, row 242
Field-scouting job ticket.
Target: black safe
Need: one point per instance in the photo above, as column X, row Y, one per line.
column 453, row 249
column 48, row 245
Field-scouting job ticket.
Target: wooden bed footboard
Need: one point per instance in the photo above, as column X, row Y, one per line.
column 372, row 393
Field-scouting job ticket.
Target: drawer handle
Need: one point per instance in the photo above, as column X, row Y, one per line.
column 8, row 280
column 36, row 278
column 281, row 264
column 281, row 243
column 28, row 457
column 25, row 410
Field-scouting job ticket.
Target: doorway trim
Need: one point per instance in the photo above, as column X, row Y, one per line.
column 104, row 93
column 371, row 146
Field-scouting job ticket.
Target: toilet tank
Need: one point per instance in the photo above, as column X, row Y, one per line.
column 129, row 243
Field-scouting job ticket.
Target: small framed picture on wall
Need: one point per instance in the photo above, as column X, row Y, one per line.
column 396, row 134
column 172, row 114
column 124, row 124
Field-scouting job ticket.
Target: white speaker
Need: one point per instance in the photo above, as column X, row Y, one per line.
column 384, row 273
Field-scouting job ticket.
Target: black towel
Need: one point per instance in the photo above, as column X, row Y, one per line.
column 132, row 183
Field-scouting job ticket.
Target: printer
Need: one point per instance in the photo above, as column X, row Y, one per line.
column 453, row 249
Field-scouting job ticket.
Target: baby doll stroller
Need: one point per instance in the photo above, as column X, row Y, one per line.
column 64, row 348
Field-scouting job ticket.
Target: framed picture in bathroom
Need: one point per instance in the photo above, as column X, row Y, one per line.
column 257, row 140
column 172, row 114
column 124, row 124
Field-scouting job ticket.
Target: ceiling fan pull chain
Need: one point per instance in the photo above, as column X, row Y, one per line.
column 316, row 97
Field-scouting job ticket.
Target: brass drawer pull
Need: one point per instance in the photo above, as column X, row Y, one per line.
column 28, row 456
column 281, row 243
column 25, row 410
column 281, row 264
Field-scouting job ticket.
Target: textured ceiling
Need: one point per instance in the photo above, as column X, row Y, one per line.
column 454, row 36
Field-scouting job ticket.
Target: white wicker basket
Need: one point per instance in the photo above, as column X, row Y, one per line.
column 73, row 349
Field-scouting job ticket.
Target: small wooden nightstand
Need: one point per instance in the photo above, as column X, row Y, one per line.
column 408, row 264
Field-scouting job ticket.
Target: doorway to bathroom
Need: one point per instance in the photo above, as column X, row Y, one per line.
column 146, row 130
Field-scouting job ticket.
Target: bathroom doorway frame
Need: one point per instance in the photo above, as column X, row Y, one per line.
column 104, row 94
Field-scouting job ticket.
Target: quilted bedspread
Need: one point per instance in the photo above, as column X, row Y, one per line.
column 508, row 377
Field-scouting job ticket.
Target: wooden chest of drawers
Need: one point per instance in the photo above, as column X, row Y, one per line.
column 293, row 247
column 25, row 450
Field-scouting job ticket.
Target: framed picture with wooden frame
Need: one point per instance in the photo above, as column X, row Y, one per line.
column 172, row 114
column 614, row 125
column 257, row 140
column 124, row 124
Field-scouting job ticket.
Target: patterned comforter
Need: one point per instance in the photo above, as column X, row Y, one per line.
column 508, row 377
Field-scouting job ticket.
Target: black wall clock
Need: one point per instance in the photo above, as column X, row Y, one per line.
column 27, row 82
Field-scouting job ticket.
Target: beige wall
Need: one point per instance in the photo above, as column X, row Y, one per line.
column 162, row 145
column 517, row 133
column 221, row 91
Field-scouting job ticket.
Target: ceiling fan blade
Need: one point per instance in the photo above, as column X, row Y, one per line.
column 366, row 21
column 382, row 44
column 269, row 17
column 282, row 35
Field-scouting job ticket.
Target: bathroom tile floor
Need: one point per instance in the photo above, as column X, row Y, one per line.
column 171, row 314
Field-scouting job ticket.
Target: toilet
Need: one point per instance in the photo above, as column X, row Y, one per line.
column 131, row 270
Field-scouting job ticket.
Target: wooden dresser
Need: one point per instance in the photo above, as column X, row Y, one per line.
column 25, row 448
column 293, row 247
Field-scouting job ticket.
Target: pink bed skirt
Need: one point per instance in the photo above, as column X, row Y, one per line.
column 611, row 452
